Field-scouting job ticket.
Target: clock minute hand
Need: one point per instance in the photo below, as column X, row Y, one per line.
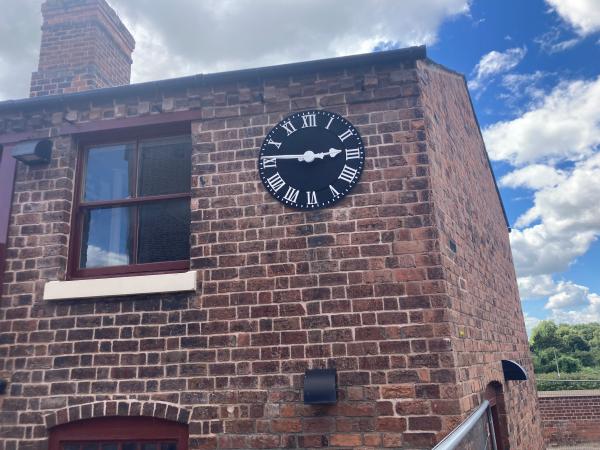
column 308, row 156
column 298, row 157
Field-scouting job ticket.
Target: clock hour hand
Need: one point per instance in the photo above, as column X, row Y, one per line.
column 332, row 153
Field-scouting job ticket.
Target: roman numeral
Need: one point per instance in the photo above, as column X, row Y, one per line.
column 352, row 153
column 329, row 123
column 291, row 195
column 333, row 191
column 345, row 135
column 272, row 142
column 276, row 182
column 289, row 127
column 347, row 174
column 309, row 120
column 311, row 198
column 270, row 162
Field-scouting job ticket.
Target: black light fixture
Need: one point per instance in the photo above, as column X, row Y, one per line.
column 33, row 152
column 513, row 371
column 2, row 387
column 320, row 386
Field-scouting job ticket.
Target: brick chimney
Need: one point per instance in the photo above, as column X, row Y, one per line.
column 84, row 46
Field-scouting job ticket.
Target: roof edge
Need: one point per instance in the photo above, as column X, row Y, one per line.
column 407, row 54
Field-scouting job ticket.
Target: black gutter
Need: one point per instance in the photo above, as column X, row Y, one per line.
column 408, row 54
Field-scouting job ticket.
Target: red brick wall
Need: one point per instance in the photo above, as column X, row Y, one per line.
column 359, row 287
column 84, row 46
column 485, row 321
column 570, row 419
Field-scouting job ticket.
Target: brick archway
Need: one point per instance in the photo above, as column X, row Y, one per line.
column 112, row 408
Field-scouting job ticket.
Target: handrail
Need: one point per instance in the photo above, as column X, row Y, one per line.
column 452, row 441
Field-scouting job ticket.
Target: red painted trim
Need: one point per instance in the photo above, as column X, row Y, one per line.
column 133, row 201
column 119, row 429
column 131, row 122
column 159, row 123
column 8, row 166
column 133, row 269
column 13, row 138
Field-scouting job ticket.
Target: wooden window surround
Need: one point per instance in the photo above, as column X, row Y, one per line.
column 133, row 203
column 7, row 178
column 119, row 433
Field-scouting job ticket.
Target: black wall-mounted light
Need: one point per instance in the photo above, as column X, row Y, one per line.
column 320, row 386
column 33, row 152
column 2, row 387
column 513, row 371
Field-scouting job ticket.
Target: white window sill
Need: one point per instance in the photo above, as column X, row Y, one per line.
column 119, row 286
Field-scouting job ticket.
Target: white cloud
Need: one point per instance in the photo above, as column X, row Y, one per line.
column 188, row 36
column 583, row 15
column 531, row 287
column 181, row 37
column 568, row 302
column 98, row 257
column 567, row 216
column 564, row 125
column 20, row 33
column 494, row 63
column 553, row 42
column 590, row 313
column 535, row 176
column 568, row 294
column 530, row 323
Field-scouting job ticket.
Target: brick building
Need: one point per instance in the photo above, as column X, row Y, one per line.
column 151, row 280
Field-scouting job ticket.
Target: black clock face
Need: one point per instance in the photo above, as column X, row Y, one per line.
column 311, row 159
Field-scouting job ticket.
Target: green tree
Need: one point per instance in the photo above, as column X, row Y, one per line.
column 545, row 336
column 568, row 364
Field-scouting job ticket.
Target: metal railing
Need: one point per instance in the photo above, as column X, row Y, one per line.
column 475, row 433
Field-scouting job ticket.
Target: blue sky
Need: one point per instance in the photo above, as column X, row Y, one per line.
column 533, row 70
column 540, row 53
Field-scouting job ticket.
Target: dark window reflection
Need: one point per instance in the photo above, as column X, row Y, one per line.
column 149, row 447
column 112, row 446
column 109, row 172
column 164, row 230
column 129, row 446
column 106, row 237
column 168, row 446
column 165, row 166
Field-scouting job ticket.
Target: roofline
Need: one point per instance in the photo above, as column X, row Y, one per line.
column 408, row 54
column 485, row 152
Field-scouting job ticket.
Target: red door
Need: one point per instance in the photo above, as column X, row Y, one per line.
column 119, row 433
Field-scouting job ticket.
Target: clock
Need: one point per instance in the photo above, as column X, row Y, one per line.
column 311, row 159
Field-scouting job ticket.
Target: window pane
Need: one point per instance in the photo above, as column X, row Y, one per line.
column 109, row 172
column 164, row 231
column 168, row 446
column 129, row 446
column 165, row 166
column 110, row 446
column 149, row 447
column 70, row 447
column 106, row 237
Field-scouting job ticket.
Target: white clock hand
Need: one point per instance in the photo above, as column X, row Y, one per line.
column 308, row 156
column 298, row 157
column 332, row 153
